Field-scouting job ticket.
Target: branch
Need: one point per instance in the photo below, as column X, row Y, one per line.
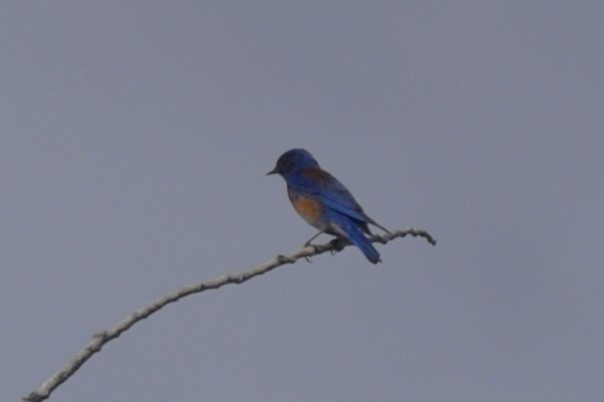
column 100, row 339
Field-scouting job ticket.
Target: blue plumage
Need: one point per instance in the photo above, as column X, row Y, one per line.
column 324, row 202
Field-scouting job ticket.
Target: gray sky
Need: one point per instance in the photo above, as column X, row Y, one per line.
column 134, row 142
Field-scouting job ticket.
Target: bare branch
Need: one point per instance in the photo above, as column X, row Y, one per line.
column 100, row 339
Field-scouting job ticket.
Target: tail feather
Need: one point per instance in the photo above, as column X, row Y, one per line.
column 351, row 230
column 367, row 248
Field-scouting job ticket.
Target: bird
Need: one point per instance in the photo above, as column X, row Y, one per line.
column 325, row 203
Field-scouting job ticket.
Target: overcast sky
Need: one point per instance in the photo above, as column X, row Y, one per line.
column 134, row 140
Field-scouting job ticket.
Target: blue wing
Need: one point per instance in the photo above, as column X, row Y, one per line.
column 322, row 186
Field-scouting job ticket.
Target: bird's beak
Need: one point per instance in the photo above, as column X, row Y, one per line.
column 274, row 171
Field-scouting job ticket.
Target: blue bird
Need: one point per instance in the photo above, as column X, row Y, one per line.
column 322, row 201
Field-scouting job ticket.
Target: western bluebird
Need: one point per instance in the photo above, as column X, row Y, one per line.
column 322, row 201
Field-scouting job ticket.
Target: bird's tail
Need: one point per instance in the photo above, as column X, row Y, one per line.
column 353, row 232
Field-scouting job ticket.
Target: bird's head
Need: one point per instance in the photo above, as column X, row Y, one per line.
column 292, row 161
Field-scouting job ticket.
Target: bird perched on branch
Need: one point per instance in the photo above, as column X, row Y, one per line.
column 322, row 201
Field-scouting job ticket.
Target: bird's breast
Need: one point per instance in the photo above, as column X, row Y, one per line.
column 308, row 208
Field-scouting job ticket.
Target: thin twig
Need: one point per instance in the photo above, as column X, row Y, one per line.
column 100, row 339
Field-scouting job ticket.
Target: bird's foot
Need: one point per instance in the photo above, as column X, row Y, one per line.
column 338, row 244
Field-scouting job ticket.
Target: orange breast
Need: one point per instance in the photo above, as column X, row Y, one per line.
column 308, row 209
